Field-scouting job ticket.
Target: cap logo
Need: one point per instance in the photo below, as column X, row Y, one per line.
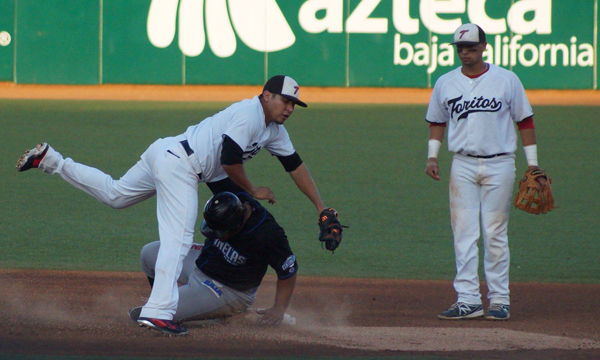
column 285, row 86
column 462, row 33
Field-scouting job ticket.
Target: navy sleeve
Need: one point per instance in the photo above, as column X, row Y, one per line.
column 280, row 255
column 232, row 153
column 290, row 162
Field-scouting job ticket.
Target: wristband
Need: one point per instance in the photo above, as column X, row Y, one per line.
column 531, row 154
column 434, row 148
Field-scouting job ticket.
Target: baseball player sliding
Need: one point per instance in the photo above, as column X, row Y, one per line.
column 213, row 151
column 221, row 277
column 478, row 102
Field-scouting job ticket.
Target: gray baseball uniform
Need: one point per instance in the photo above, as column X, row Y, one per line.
column 220, row 278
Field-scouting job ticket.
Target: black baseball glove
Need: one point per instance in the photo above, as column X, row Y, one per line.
column 330, row 229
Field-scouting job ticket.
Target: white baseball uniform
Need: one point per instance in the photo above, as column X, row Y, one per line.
column 480, row 114
column 171, row 168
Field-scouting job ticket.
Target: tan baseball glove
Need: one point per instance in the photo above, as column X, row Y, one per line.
column 533, row 197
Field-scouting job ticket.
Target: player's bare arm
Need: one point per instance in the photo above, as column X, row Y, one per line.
column 527, row 139
column 305, row 183
column 283, row 295
column 432, row 168
column 237, row 174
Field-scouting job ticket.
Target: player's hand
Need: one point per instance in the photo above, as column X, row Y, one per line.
column 264, row 193
column 541, row 180
column 433, row 168
column 272, row 316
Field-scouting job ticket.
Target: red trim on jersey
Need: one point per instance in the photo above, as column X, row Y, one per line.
column 526, row 124
column 478, row 75
column 437, row 124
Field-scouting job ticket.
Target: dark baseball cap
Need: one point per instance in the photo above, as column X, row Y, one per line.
column 286, row 87
column 469, row 34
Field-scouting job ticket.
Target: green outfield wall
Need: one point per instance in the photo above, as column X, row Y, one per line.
column 550, row 44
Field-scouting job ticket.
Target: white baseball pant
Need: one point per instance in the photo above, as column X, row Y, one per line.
column 480, row 198
column 165, row 170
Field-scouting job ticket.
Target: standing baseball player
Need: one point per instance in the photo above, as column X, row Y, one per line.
column 479, row 102
column 220, row 278
column 213, row 151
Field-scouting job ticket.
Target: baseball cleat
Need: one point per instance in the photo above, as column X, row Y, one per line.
column 167, row 327
column 32, row 158
column 497, row 312
column 134, row 313
column 462, row 310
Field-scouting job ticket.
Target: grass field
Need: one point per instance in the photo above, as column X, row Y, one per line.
column 367, row 160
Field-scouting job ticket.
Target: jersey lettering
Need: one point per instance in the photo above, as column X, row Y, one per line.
column 480, row 104
column 229, row 253
column 249, row 154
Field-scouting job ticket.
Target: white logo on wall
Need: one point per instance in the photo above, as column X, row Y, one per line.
column 4, row 38
column 443, row 17
column 260, row 25
column 501, row 50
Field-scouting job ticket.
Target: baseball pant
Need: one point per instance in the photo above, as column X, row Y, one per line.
column 480, row 198
column 164, row 170
column 200, row 297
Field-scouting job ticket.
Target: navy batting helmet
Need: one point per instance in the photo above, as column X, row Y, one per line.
column 223, row 215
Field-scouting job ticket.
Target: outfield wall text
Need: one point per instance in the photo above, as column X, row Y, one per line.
column 550, row 44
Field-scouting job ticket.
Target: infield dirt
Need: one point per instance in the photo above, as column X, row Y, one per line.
column 236, row 93
column 85, row 313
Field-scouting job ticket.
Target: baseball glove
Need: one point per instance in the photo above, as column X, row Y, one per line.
column 330, row 229
column 533, row 197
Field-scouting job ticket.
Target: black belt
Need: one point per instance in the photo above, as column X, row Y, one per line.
column 186, row 146
column 487, row 156
column 189, row 151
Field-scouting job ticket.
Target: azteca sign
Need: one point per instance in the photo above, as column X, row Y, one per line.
column 261, row 25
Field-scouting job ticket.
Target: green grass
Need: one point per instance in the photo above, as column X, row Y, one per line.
column 368, row 161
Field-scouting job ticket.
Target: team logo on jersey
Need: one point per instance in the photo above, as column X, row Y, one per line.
column 229, row 253
column 288, row 262
column 466, row 107
column 249, row 154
